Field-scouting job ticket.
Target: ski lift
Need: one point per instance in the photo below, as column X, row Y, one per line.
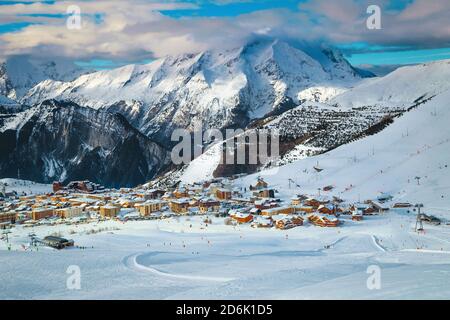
column 293, row 182
column 419, row 223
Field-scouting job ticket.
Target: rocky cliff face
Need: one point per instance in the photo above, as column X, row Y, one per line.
column 63, row 141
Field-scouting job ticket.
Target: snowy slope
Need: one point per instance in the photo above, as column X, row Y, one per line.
column 24, row 186
column 202, row 168
column 182, row 258
column 345, row 117
column 217, row 88
column 416, row 145
column 400, row 88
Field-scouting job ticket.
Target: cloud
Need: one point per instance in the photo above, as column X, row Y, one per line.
column 136, row 30
column 335, row 11
column 129, row 30
column 423, row 9
column 421, row 24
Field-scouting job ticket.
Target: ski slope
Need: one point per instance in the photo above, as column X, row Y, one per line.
column 400, row 88
column 25, row 186
column 182, row 258
column 417, row 144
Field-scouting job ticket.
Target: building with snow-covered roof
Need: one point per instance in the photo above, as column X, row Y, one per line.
column 277, row 210
column 384, row 197
column 179, row 206
column 241, row 217
column 264, row 193
column 259, row 185
column 284, row 222
column 42, row 213
column 379, row 206
column 69, row 212
column 150, row 206
column 208, row 205
column 357, row 215
column 262, row 222
column 9, row 217
column 223, row 194
column 323, row 220
column 109, row 211
column 295, row 201
column 128, row 214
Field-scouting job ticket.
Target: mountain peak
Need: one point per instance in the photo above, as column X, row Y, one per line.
column 220, row 88
column 22, row 72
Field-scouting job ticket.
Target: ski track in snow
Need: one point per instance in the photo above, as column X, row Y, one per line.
column 328, row 246
column 426, row 251
column 131, row 262
column 377, row 244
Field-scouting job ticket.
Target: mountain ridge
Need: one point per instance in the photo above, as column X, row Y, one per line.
column 217, row 88
column 20, row 73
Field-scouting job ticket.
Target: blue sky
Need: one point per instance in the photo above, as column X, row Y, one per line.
column 413, row 32
column 400, row 57
column 206, row 9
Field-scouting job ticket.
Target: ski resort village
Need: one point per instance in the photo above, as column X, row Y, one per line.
column 222, row 238
column 356, row 204
column 83, row 202
column 367, row 219
column 357, row 208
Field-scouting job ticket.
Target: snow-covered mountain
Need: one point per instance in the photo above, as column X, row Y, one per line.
column 18, row 74
column 316, row 99
column 316, row 128
column 219, row 89
column 401, row 88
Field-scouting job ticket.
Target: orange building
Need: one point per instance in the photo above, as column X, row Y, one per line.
column 149, row 207
column 326, row 209
column 223, row 194
column 323, row 221
column 288, row 222
column 180, row 193
column 180, row 206
column 9, row 217
column 312, row 203
column 260, row 184
column 208, row 205
column 42, row 213
column 242, row 217
column 277, row 210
